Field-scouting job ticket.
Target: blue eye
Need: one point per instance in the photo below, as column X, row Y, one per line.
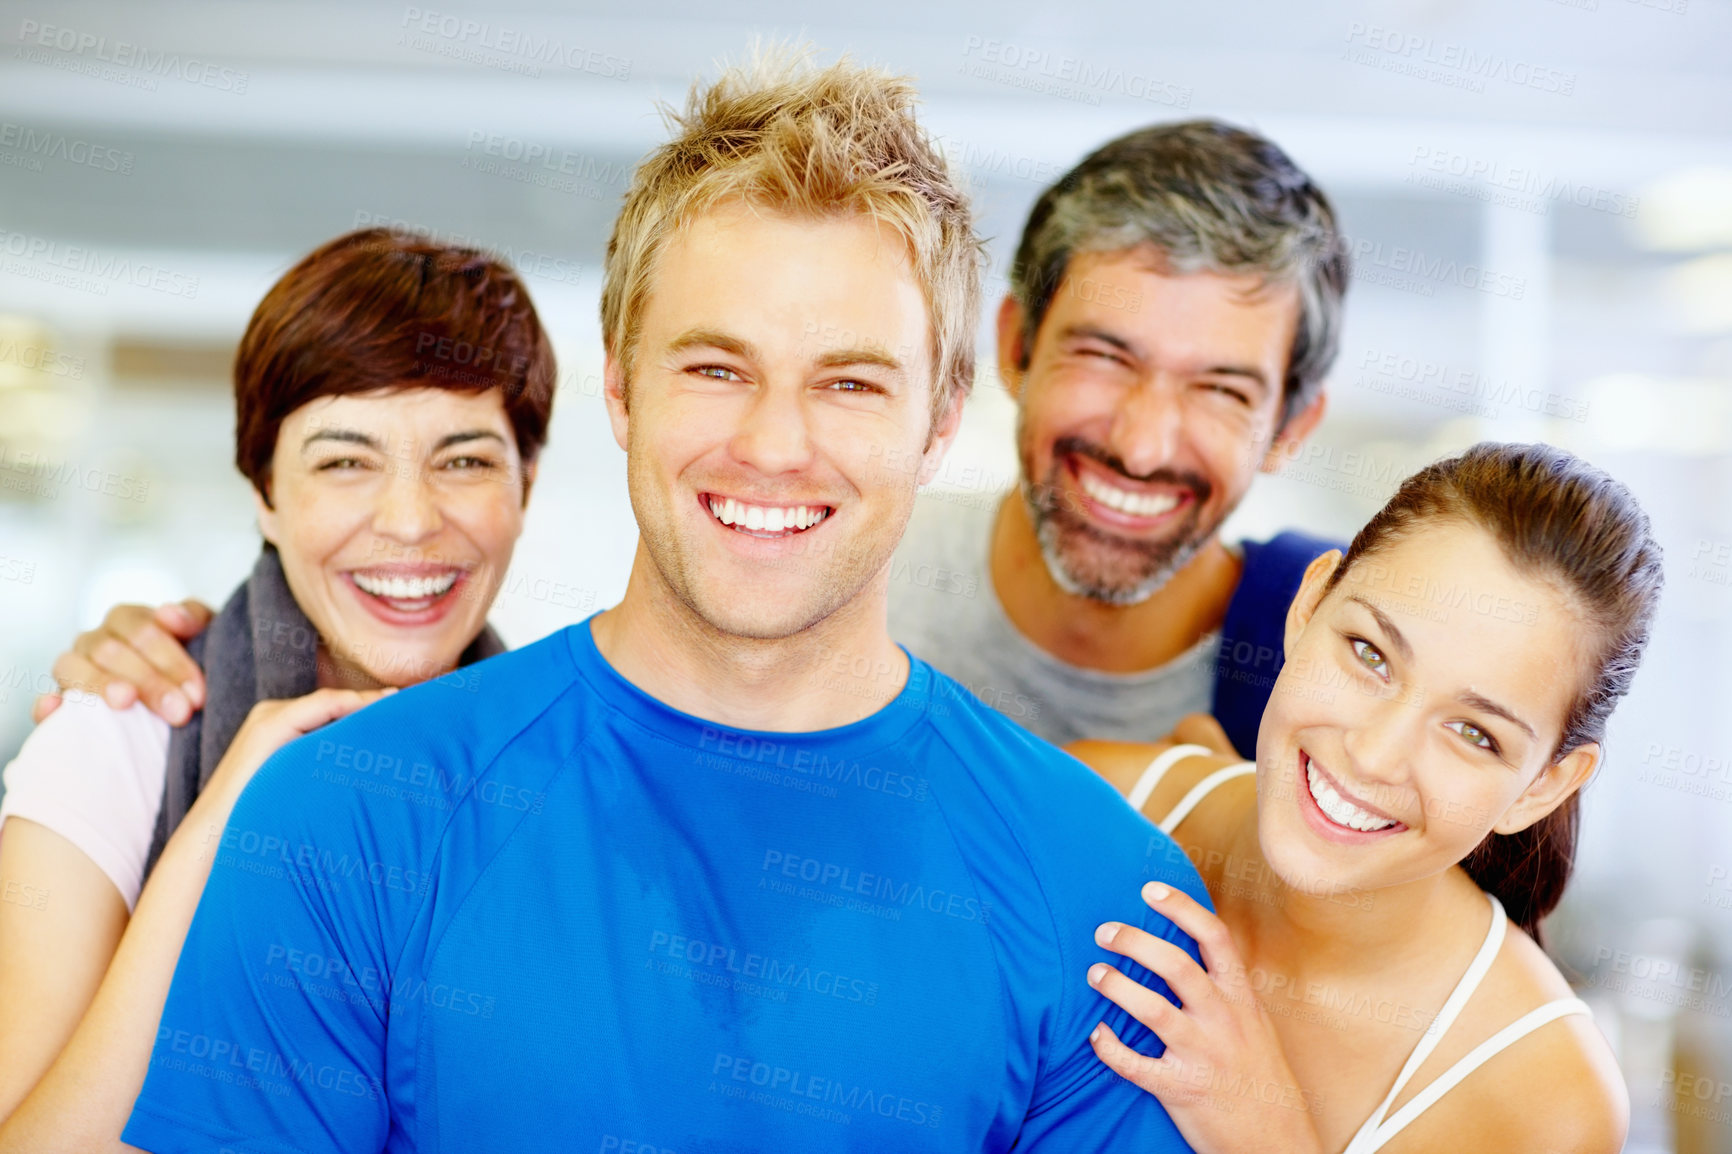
column 1368, row 656
column 716, row 372
column 1474, row 735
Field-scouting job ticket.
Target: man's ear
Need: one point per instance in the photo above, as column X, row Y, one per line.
column 1285, row 446
column 1010, row 347
column 268, row 523
column 1310, row 596
column 613, row 392
column 943, row 435
column 1550, row 789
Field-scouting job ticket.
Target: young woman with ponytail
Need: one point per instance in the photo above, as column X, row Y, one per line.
column 1444, row 699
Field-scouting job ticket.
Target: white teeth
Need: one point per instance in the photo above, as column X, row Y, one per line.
column 766, row 518
column 406, row 588
column 1136, row 504
column 1337, row 808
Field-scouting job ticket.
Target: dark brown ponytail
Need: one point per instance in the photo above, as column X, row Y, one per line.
column 1566, row 522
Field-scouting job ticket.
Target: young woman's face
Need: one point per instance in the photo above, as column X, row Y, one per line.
column 1418, row 710
column 395, row 514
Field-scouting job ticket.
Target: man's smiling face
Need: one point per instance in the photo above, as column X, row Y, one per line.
column 777, row 423
column 1149, row 402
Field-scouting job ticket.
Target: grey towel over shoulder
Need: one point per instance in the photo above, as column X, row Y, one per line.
column 261, row 647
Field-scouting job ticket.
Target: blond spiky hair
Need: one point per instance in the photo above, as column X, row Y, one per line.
column 781, row 133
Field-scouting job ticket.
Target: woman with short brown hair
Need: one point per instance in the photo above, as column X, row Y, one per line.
column 392, row 396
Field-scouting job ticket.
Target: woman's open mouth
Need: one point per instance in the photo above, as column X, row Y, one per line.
column 408, row 596
column 1338, row 813
column 770, row 521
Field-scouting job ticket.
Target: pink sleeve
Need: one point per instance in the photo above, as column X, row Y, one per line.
column 94, row 776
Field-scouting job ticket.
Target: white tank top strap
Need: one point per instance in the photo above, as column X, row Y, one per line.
column 1201, row 790
column 1380, row 1128
column 1474, row 1059
column 1151, row 777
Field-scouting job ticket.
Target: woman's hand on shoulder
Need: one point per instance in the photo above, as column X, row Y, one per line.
column 273, row 724
column 1224, row 1078
column 136, row 654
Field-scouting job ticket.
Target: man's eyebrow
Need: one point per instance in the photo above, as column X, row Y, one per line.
column 346, row 436
column 450, row 439
column 835, row 358
column 1090, row 332
column 713, row 339
column 1388, row 627
column 1249, row 372
column 1480, row 701
column 840, row 358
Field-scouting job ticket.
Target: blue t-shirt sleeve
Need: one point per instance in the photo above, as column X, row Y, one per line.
column 273, row 1037
column 1080, row 1104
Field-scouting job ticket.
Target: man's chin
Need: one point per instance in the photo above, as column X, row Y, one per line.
column 760, row 619
column 1110, row 576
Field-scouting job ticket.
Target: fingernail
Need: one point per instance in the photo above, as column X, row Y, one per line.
column 1155, row 891
column 1098, row 973
column 176, row 707
column 1095, row 1034
column 1106, row 932
column 194, row 693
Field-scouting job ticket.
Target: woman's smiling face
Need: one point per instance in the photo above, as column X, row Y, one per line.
column 395, row 514
column 1421, row 703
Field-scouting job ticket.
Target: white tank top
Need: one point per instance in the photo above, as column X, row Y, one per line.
column 1382, row 1126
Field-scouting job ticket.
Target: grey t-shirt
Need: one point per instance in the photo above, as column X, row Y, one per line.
column 944, row 609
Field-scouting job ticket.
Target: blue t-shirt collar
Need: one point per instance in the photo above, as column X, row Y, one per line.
column 883, row 728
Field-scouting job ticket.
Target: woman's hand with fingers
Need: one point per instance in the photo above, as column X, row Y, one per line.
column 136, row 654
column 273, row 724
column 1223, row 1078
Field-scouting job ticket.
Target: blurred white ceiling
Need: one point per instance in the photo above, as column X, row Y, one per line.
column 257, row 128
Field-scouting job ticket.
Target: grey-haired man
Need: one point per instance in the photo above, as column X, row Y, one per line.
column 1174, row 305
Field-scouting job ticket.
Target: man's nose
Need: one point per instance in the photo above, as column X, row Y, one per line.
column 1147, row 428
column 773, row 435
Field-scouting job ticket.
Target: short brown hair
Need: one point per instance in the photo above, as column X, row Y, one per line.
column 785, row 135
column 376, row 309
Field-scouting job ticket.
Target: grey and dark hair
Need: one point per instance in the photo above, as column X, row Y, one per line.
column 1211, row 198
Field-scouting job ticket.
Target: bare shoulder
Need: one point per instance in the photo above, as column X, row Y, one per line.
column 1580, row 1100
column 1558, row 1090
column 1122, row 764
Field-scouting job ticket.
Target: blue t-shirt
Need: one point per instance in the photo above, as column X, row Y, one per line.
column 531, row 908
